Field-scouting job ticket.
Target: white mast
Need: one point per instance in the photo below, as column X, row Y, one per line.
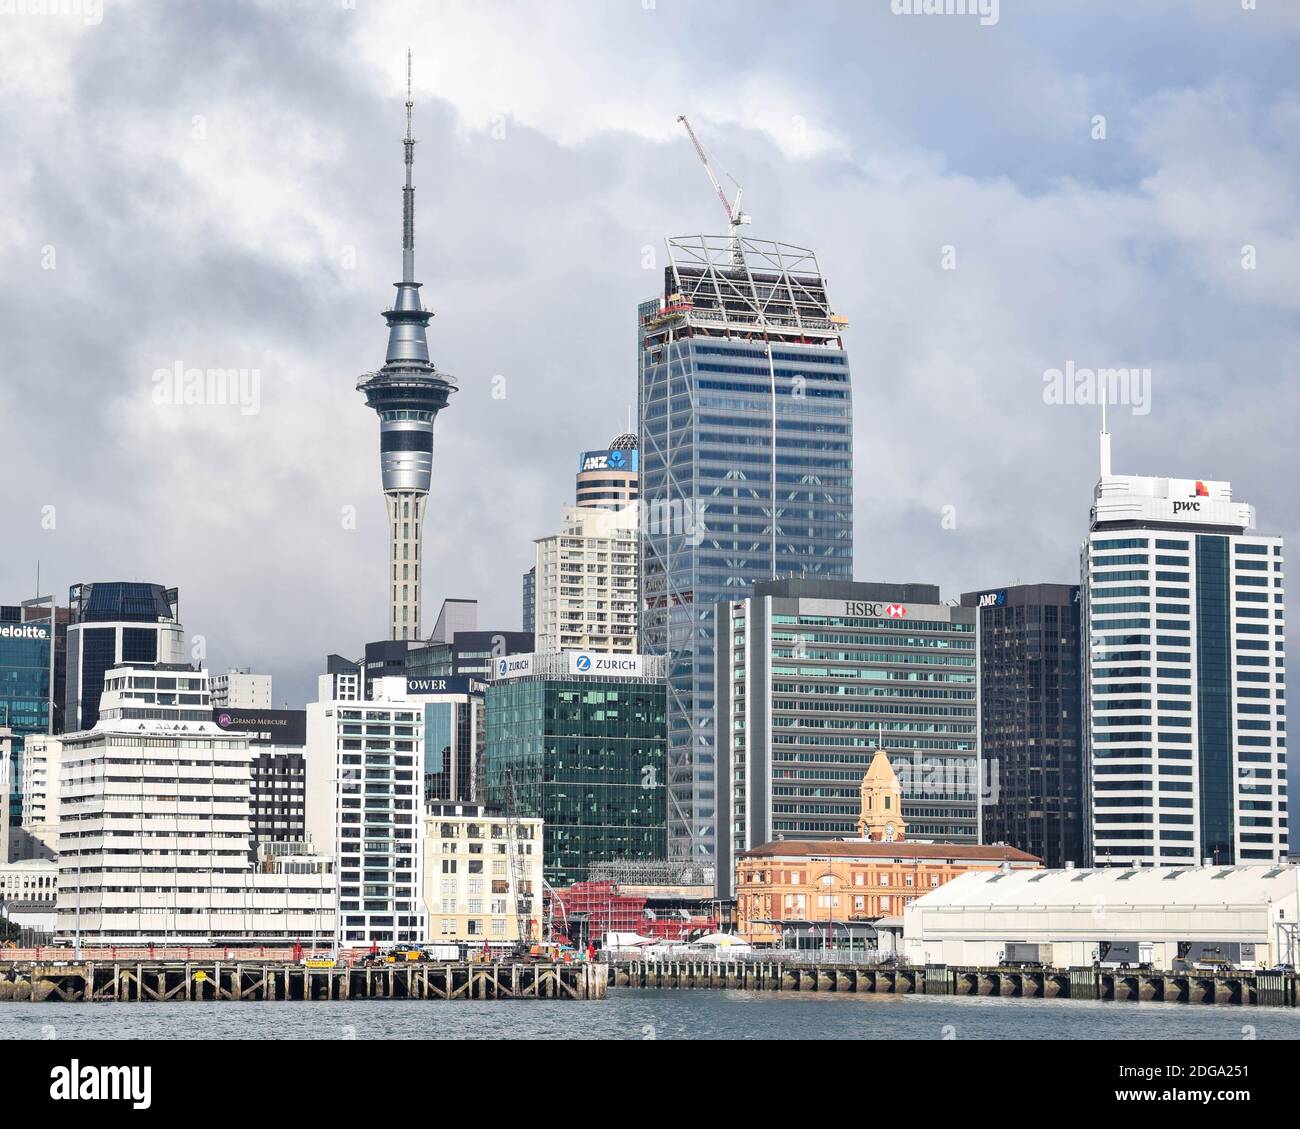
column 1104, row 439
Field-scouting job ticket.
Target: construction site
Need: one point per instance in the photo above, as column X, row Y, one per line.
column 669, row 900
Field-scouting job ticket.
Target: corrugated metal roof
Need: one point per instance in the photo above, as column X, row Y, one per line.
column 1165, row 887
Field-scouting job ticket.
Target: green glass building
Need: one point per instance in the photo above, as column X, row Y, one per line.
column 588, row 756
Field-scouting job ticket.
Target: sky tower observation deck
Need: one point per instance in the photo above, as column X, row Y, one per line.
column 407, row 393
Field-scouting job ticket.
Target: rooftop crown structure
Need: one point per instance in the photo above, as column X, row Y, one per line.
column 407, row 393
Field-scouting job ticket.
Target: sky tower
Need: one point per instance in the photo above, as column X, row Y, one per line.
column 408, row 392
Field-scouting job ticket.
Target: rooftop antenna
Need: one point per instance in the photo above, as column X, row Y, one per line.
column 1104, row 438
column 735, row 217
column 408, row 193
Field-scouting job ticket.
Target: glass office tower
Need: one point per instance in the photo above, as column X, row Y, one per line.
column 1031, row 719
column 746, row 471
column 813, row 678
column 24, row 695
column 586, row 754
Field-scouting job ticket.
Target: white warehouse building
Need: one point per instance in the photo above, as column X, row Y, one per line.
column 970, row 921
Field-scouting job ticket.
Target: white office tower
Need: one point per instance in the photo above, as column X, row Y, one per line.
column 241, row 690
column 155, row 840
column 365, row 766
column 1185, row 746
column 41, row 764
column 586, row 583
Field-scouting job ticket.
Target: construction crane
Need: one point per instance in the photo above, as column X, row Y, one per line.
column 518, row 873
column 735, row 217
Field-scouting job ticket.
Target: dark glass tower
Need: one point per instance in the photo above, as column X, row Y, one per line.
column 746, row 470
column 587, row 756
column 1031, row 719
column 115, row 622
column 407, row 393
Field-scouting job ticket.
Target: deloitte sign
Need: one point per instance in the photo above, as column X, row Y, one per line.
column 24, row 631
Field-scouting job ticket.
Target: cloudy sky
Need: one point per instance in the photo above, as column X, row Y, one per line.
column 218, row 186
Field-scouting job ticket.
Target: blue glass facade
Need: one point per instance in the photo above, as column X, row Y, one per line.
column 24, row 691
column 1214, row 699
column 746, row 475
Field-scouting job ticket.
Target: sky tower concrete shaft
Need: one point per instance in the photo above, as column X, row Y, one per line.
column 407, row 393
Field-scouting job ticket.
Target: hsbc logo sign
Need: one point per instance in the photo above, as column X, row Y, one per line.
column 870, row 608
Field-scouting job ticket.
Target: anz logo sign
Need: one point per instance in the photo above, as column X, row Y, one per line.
column 608, row 460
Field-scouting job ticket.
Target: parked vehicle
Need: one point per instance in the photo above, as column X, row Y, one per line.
column 445, row 952
column 1123, row 954
column 1214, row 956
column 1020, row 954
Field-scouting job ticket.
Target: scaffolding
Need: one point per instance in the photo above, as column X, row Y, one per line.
column 652, row 872
column 666, row 899
column 772, row 289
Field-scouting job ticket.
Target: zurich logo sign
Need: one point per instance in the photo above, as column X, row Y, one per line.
column 584, row 662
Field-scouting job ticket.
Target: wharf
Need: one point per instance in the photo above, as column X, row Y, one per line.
column 1223, row 987
column 120, row 981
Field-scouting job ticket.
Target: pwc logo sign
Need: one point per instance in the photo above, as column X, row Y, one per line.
column 1192, row 507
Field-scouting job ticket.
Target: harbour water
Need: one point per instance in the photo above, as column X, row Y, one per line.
column 639, row 1014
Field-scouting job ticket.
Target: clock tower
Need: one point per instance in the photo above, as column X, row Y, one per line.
column 881, row 818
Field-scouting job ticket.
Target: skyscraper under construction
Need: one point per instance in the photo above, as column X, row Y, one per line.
column 746, row 473
column 407, row 393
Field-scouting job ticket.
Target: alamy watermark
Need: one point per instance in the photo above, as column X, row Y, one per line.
column 676, row 517
column 986, row 10
column 241, row 387
column 1130, row 387
column 90, row 12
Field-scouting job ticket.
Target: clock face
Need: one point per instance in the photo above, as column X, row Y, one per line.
column 889, row 832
